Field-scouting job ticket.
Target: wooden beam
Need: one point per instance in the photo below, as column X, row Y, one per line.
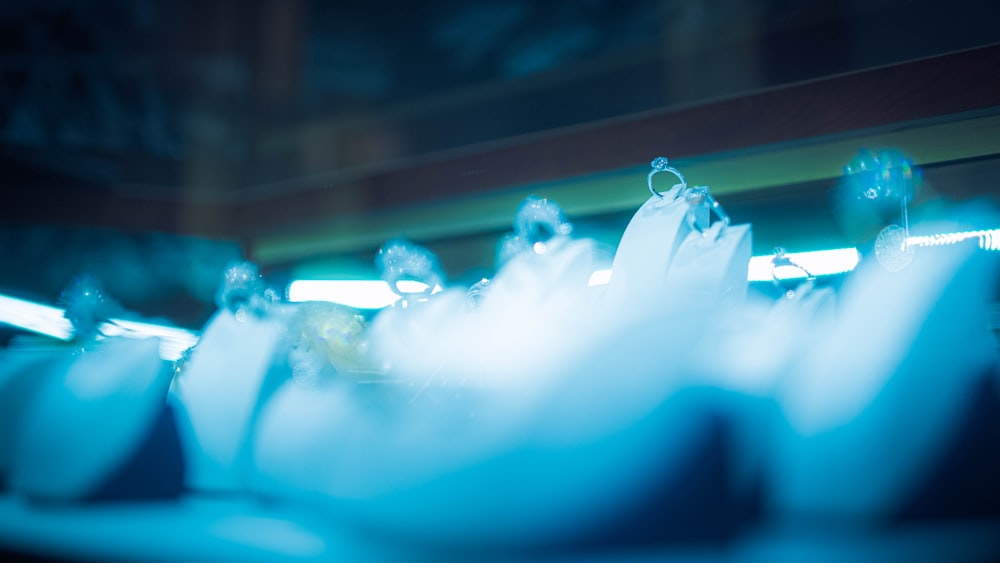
column 878, row 99
column 727, row 173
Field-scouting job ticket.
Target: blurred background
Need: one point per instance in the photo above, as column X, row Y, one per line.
column 149, row 143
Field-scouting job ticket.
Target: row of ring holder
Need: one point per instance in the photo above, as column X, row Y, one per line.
column 699, row 199
column 537, row 224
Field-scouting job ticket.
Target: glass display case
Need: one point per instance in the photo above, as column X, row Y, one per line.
column 255, row 183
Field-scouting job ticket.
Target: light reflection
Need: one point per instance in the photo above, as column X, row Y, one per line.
column 50, row 321
column 989, row 239
column 600, row 277
column 173, row 341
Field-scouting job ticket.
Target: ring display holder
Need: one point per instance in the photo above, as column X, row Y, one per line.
column 649, row 243
column 215, row 432
column 57, row 400
column 900, row 341
column 672, row 253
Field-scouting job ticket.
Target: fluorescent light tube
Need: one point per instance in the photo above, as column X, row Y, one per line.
column 360, row 294
column 35, row 317
column 817, row 262
column 50, row 321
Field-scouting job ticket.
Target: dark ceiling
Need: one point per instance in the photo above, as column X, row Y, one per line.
column 124, row 90
column 197, row 97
